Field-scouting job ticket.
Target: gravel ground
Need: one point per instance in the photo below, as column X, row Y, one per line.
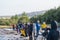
column 9, row 34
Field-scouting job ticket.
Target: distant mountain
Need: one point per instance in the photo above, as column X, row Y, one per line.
column 31, row 14
column 5, row 17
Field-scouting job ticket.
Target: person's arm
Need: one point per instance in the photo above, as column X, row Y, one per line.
column 49, row 36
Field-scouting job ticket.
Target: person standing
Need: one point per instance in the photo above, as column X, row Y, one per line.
column 53, row 34
column 30, row 29
column 37, row 28
column 13, row 26
column 26, row 29
column 17, row 28
column 44, row 26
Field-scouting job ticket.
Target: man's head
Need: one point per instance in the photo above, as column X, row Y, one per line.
column 44, row 22
column 53, row 25
column 38, row 21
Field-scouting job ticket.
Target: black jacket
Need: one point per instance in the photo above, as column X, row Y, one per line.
column 30, row 27
column 53, row 34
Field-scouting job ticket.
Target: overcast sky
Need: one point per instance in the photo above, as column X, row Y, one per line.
column 12, row 7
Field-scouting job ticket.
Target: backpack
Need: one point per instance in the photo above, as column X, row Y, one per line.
column 45, row 33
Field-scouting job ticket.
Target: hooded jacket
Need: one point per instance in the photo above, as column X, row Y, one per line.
column 53, row 34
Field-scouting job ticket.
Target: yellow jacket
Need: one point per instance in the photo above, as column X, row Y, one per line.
column 44, row 25
column 23, row 32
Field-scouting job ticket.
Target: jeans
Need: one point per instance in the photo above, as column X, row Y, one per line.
column 37, row 33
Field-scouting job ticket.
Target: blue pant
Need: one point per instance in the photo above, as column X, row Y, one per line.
column 37, row 33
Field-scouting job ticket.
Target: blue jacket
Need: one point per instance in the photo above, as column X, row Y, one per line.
column 37, row 26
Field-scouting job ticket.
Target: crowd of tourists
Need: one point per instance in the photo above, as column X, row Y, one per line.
column 27, row 29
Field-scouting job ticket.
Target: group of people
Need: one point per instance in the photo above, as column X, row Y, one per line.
column 27, row 29
column 52, row 33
